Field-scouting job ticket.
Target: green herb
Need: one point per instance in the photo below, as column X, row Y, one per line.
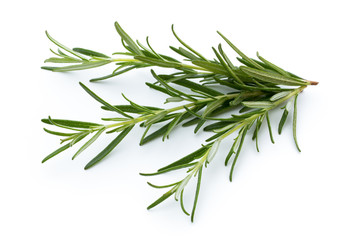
column 246, row 95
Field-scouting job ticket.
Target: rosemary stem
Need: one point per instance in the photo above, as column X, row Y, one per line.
column 258, row 85
column 124, row 60
column 170, row 110
column 182, row 64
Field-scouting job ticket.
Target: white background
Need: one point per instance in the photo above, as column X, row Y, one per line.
column 276, row 194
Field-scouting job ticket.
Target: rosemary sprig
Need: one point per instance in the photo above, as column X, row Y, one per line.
column 254, row 89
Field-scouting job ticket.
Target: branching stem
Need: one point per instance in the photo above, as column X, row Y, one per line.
column 170, row 110
column 265, row 110
column 254, row 89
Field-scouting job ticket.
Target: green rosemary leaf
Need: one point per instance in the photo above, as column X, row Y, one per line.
column 161, row 89
column 196, row 194
column 88, row 143
column 156, row 118
column 171, row 59
column 162, row 186
column 90, row 53
column 63, row 148
column 226, row 58
column 188, row 158
column 199, row 125
column 152, row 50
column 137, row 106
column 131, row 44
column 180, row 93
column 114, row 119
column 216, row 125
column 269, row 127
column 243, row 135
column 144, row 134
column 231, row 152
column 259, row 121
column 198, row 87
column 245, row 109
column 282, row 120
column 62, row 60
column 64, row 47
column 62, row 54
column 237, row 100
column 256, row 132
column 174, row 99
column 103, row 102
column 172, row 125
column 193, row 113
column 146, row 52
column 162, row 198
column 213, row 105
column 58, row 133
column 184, row 53
column 182, row 203
column 71, row 123
column 227, row 66
column 108, row 148
column 63, row 126
column 48, row 68
column 212, row 151
column 57, row 151
column 76, row 67
column 123, row 53
column 247, row 114
column 160, row 132
column 113, row 74
column 273, row 66
column 185, row 45
column 240, row 53
column 294, row 123
column 273, row 77
column 118, row 129
column 258, row 104
column 191, row 122
column 215, row 136
column 248, row 64
column 279, row 95
column 132, row 109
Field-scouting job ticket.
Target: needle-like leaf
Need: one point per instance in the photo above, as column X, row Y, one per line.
column 162, row 198
column 82, row 66
column 88, row 143
column 70, row 123
column 131, row 44
column 196, row 194
column 64, row 47
column 294, row 123
column 108, row 148
column 189, row 158
column 240, row 53
column 273, row 66
column 58, row 133
column 63, row 148
column 274, row 78
column 103, row 102
column 90, row 53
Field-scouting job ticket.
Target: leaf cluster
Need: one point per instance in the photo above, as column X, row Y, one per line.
column 215, row 95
